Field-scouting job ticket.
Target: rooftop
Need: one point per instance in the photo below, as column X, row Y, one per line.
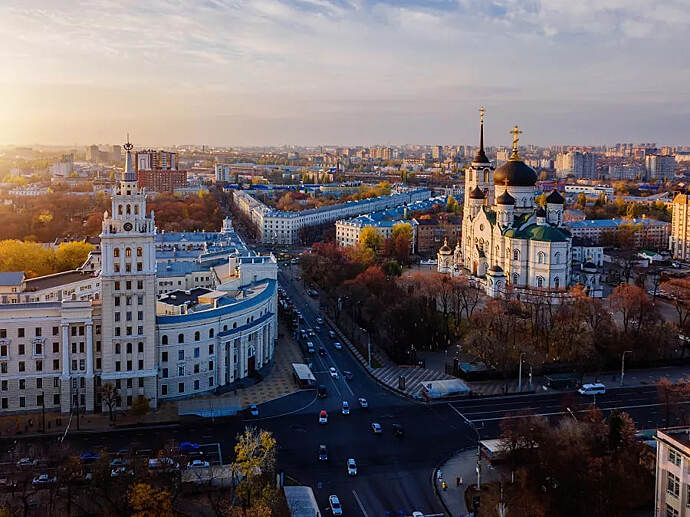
column 57, row 279
column 11, row 278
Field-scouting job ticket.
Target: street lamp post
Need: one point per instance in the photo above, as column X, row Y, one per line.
column 520, row 373
column 623, row 364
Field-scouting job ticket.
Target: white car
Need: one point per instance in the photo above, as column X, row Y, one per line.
column 331, row 334
column 592, row 389
column 336, row 509
column 163, row 463
column 43, row 479
column 338, row 345
column 333, row 372
column 363, row 402
column 198, row 464
column 120, row 471
column 27, row 462
column 351, row 467
column 376, row 427
column 346, row 407
column 319, row 320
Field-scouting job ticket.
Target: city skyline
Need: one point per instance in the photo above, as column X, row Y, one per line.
column 343, row 72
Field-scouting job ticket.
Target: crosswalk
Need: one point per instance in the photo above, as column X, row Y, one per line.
column 414, row 377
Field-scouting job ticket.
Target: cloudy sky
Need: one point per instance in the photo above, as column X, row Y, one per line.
column 244, row 72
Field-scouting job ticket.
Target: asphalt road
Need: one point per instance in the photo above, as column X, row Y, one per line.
column 394, row 474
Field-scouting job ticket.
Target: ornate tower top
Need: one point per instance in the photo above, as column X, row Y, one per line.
column 516, row 138
column 481, row 156
column 129, row 174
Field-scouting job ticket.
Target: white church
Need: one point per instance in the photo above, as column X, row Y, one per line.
column 506, row 238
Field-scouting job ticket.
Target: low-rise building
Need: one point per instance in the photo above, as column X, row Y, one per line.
column 672, row 490
column 649, row 232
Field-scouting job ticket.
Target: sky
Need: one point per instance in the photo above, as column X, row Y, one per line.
column 344, row 72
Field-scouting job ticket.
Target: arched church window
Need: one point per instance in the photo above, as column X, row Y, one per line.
column 140, row 252
column 516, row 278
column 516, row 254
column 540, row 281
column 129, row 209
column 486, row 176
column 128, row 252
column 119, row 209
column 557, row 282
column 116, row 252
column 540, row 257
column 498, row 250
column 557, row 258
column 136, row 209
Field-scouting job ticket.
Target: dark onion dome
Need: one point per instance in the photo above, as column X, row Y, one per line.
column 555, row 198
column 589, row 265
column 445, row 249
column 505, row 199
column 515, row 173
column 541, row 212
column 496, row 268
column 477, row 193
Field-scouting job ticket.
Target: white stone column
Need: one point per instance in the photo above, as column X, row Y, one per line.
column 65, row 349
column 89, row 348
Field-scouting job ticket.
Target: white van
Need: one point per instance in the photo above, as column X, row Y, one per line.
column 592, row 389
column 310, row 347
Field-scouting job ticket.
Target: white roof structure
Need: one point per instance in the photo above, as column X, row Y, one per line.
column 445, row 388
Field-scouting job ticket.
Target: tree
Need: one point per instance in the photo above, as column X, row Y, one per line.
column 30, row 257
column 110, row 396
column 632, row 303
column 392, row 268
column 71, row 255
column 370, row 238
column 679, row 292
column 140, row 406
column 255, row 457
column 146, row 501
column 581, row 200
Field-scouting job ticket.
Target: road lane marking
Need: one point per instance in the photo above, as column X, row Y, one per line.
column 361, row 506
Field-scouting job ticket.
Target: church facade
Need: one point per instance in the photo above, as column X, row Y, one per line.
column 506, row 238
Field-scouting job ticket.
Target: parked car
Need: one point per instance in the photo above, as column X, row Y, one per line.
column 120, row 471
column 323, row 417
column 198, row 464
column 88, row 456
column 334, row 503
column 338, row 345
column 253, row 410
column 323, row 453
column 333, row 372
column 163, row 463
column 187, row 447
column 346, row 407
column 27, row 462
column 43, row 480
column 376, row 427
column 119, row 462
column 363, row 402
column 351, row 467
column 398, row 430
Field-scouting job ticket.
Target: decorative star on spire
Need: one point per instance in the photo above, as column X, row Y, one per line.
column 128, row 145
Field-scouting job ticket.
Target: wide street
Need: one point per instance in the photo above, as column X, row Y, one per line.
column 394, row 474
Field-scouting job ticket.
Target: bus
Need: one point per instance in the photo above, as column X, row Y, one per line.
column 303, row 376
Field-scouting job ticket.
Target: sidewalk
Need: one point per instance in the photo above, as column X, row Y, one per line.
column 461, row 465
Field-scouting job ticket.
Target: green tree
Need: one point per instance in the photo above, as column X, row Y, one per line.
column 581, row 200
column 140, row 406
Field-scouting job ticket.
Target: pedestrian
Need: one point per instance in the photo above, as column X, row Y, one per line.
column 458, row 480
column 444, row 486
column 439, row 475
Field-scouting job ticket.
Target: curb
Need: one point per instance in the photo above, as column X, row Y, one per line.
column 435, row 485
column 160, row 425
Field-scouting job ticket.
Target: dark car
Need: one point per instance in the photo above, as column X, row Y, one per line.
column 398, row 430
column 322, row 392
column 348, row 375
column 322, row 351
column 323, row 453
column 88, row 456
column 187, row 447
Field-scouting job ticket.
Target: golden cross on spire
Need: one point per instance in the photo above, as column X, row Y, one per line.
column 516, row 138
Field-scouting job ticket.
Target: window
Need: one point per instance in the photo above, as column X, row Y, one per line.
column 210, row 333
column 674, row 457
column 4, row 404
column 38, row 331
column 180, row 355
column 540, row 281
column 140, row 364
column 22, row 401
column 117, row 366
column 129, row 383
column 129, row 348
column 671, row 511
column 210, row 366
column 22, row 366
column 196, row 368
column 540, row 257
column 164, row 357
column 140, row 252
column 56, row 382
column 196, row 351
column 140, row 347
column 56, row 399
column 164, row 340
column 557, row 282
column 141, row 382
column 117, row 348
column 82, row 364
column 56, row 348
column 197, row 336
column 210, row 349
column 164, row 389
column 128, row 251
column 56, row 364
column 20, row 332
column 20, row 349
column 165, row 373
column 56, row 331
column 3, row 385
column 196, row 385
column 557, row 258
column 117, row 301
column 3, row 351
column 210, row 381
column 117, row 286
column 140, row 299
column 38, row 349
column 39, row 365
column 180, row 338
column 180, row 387
column 140, row 315
column 116, row 251
column 180, row 371
column 117, row 316
column 98, row 364
column 516, row 254
column 22, row 384
column 673, row 485
column 128, row 285
column 140, row 285
column 129, row 365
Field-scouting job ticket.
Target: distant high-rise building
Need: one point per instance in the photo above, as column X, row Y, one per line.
column 63, row 168
column 115, row 153
column 223, row 173
column 93, row 154
column 679, row 241
column 437, row 152
column 157, row 171
column 576, row 163
column 660, row 167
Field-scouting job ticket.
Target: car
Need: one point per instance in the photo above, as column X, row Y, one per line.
column 88, row 456
column 338, row 345
column 322, row 351
column 592, row 389
column 124, row 451
column 27, row 462
column 348, row 375
column 334, row 503
column 351, row 467
column 317, row 329
column 323, row 417
column 120, row 471
column 417, row 514
column 311, row 332
column 346, row 407
column 43, row 480
column 310, row 347
column 323, row 453
column 398, row 430
column 198, row 464
column 119, row 462
column 322, row 392
column 376, row 427
column 331, row 334
column 163, row 463
column 187, row 447
column 319, row 320
column 253, row 410
column 363, row 402
column 333, row 372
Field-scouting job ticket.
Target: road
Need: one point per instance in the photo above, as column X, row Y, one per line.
column 394, row 475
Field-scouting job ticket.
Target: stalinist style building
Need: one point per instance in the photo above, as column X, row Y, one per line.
column 506, row 238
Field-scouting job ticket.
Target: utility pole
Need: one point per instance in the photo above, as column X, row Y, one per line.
column 520, row 374
column 43, row 409
column 623, row 364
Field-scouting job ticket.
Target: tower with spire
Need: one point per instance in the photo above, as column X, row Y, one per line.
column 128, row 282
column 479, row 175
